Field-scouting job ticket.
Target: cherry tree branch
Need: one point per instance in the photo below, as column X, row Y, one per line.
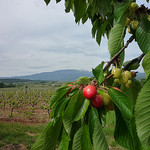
column 117, row 55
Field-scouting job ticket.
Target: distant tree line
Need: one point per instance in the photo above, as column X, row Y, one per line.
column 10, row 85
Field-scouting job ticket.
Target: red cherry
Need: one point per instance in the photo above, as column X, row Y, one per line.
column 116, row 89
column 97, row 101
column 89, row 92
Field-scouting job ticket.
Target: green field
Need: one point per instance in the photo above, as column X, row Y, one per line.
column 16, row 133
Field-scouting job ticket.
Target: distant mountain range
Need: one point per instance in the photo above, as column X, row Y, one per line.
column 60, row 75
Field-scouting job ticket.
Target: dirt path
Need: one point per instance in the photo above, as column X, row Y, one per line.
column 13, row 147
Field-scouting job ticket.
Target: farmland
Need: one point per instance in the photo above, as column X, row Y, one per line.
column 28, row 104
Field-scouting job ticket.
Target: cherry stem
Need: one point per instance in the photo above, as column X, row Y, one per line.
column 103, row 89
column 117, row 55
column 107, row 78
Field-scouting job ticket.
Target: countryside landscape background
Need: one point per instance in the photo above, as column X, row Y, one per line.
column 60, row 75
column 42, row 49
column 24, row 107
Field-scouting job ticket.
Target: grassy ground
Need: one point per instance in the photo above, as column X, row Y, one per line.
column 14, row 133
column 109, row 131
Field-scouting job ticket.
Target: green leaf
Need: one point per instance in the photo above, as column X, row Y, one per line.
column 82, row 140
column 83, row 80
column 103, row 7
column 136, row 142
column 125, row 137
column 59, row 107
column 116, row 36
column 122, row 134
column 142, row 114
column 64, row 144
column 84, row 18
column 68, row 115
column 102, row 114
column 75, row 127
column 104, row 26
column 98, row 73
column 77, row 139
column 132, row 92
column 98, row 36
column 99, row 28
column 75, row 110
column 91, row 9
column 82, row 110
column 143, row 35
column 133, row 66
column 57, row 1
column 48, row 138
column 124, row 104
column 92, row 120
column 85, row 138
column 47, row 1
column 79, row 9
column 120, row 9
column 60, row 93
column 68, row 5
column 145, row 64
column 96, row 131
column 95, row 27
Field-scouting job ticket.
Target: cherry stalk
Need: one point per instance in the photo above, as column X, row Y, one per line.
column 118, row 54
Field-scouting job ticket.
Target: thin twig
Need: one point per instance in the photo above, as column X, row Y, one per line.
column 107, row 78
column 117, row 55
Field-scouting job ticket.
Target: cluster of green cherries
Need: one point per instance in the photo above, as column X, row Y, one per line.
column 132, row 20
column 123, row 77
column 97, row 94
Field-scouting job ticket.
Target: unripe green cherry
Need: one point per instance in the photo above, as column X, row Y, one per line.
column 134, row 24
column 116, row 81
column 134, row 6
column 116, row 73
column 124, row 78
column 127, row 21
column 128, row 73
column 129, row 84
column 148, row 18
column 129, row 30
column 106, row 98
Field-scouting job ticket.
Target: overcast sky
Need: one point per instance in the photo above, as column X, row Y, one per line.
column 37, row 38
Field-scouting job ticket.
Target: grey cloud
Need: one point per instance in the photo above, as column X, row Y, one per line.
column 38, row 38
